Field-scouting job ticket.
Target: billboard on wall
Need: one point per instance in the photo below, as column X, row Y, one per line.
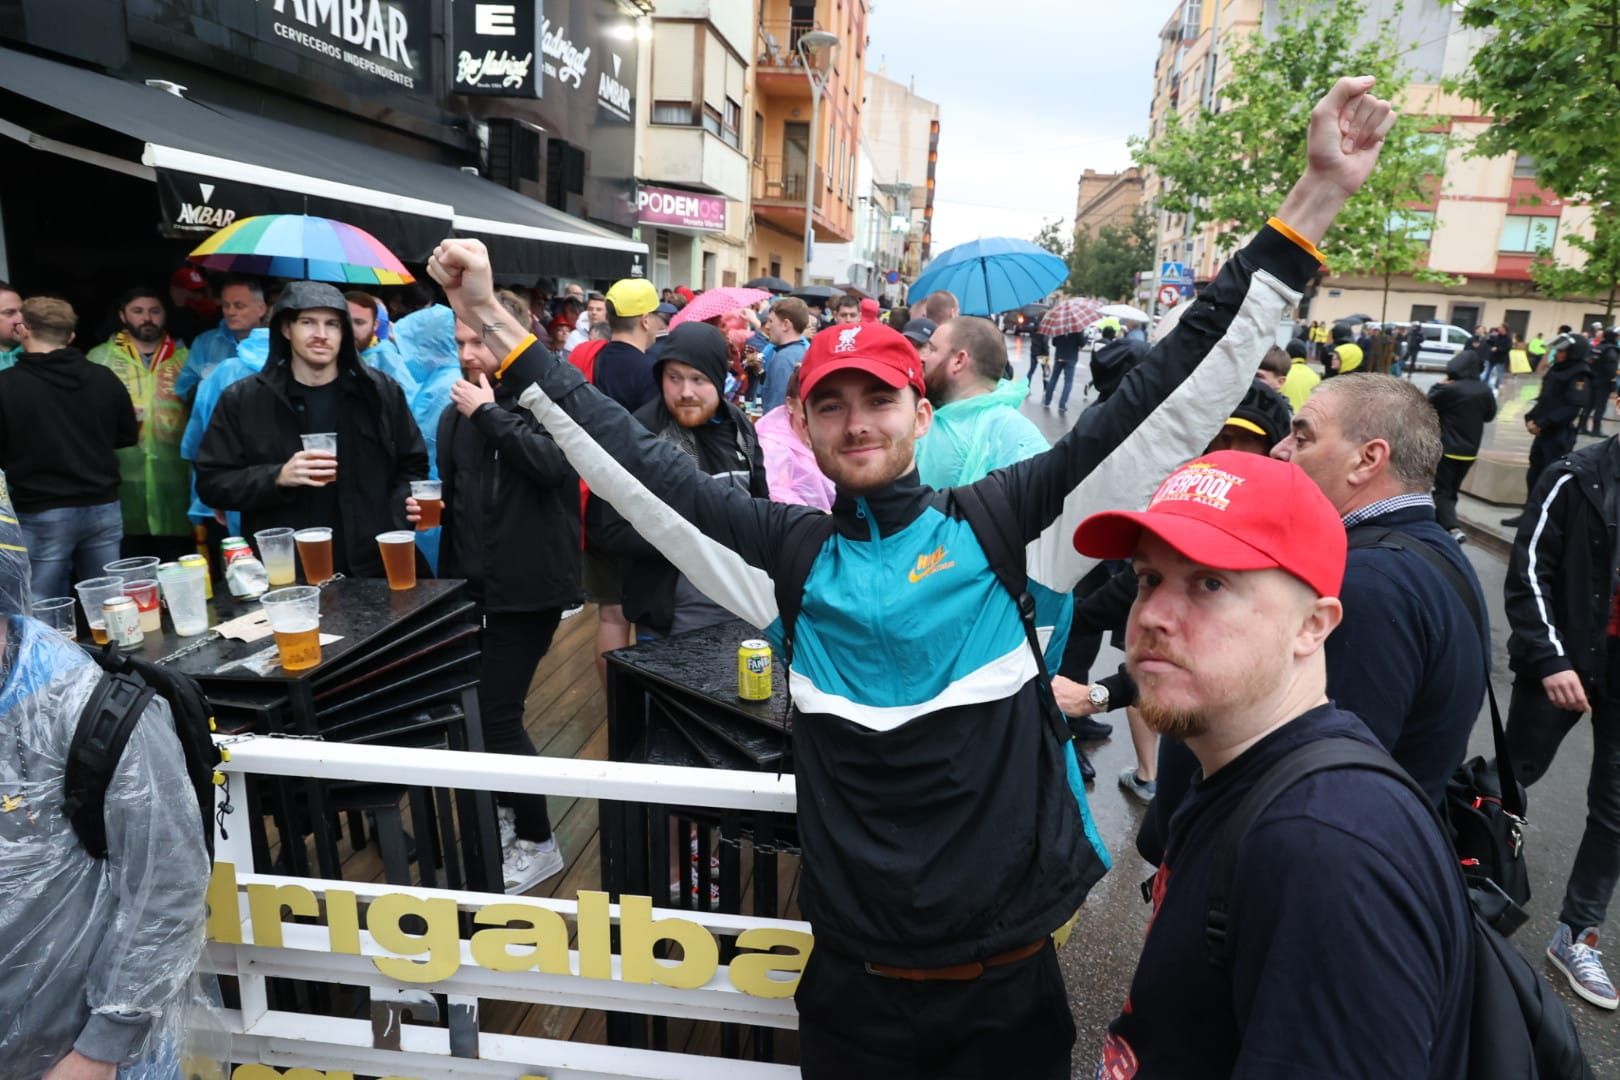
column 672, row 208
column 495, row 48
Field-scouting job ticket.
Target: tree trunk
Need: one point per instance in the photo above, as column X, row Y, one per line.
column 1608, row 312
column 1383, row 312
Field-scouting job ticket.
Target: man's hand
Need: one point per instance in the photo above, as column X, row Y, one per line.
column 413, row 510
column 469, row 397
column 1074, row 698
column 78, row 1067
column 308, row 468
column 461, row 267
column 1532, row 427
column 1346, row 133
column 1565, row 691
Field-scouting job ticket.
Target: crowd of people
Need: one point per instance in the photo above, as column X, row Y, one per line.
column 936, row 577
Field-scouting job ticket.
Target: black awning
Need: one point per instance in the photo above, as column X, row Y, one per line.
column 213, row 164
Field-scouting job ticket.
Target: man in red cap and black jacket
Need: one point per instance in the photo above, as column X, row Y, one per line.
column 942, row 841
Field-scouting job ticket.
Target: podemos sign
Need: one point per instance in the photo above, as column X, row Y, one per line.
column 680, row 209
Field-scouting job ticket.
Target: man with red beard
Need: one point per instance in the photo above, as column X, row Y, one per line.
column 1343, row 947
column 942, row 841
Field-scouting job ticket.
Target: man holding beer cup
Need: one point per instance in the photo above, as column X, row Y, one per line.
column 316, row 439
column 510, row 510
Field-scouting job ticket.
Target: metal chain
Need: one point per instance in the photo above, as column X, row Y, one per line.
column 758, row 848
column 249, row 736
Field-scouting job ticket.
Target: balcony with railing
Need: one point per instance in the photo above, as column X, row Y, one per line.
column 778, row 70
column 779, row 197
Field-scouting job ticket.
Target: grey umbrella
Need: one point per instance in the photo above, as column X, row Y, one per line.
column 769, row 284
column 819, row 292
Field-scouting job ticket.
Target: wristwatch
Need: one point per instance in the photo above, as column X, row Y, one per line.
column 1098, row 697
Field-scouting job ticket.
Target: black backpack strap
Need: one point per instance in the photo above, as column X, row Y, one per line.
column 109, row 717
column 990, row 514
column 1366, row 536
column 1320, row 755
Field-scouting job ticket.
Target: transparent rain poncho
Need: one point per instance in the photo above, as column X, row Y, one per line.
column 427, row 344
column 95, row 955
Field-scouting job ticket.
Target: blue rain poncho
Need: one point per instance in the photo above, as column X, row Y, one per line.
column 251, row 353
column 427, row 345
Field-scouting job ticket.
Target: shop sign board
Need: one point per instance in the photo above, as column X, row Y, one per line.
column 680, row 209
column 495, row 48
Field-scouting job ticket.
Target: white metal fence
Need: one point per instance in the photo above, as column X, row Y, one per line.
column 536, row 950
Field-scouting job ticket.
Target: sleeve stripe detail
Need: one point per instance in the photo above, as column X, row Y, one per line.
column 1530, row 568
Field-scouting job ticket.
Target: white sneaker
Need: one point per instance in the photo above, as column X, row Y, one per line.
column 506, row 818
column 527, row 863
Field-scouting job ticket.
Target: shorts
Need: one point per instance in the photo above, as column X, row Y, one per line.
column 599, row 573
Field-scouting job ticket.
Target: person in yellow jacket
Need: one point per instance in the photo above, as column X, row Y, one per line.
column 1301, row 379
column 1346, row 355
column 155, row 485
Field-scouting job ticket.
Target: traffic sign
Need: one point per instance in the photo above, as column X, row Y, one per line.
column 1174, row 273
column 1169, row 295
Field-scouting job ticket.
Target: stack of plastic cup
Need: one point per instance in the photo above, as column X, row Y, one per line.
column 185, row 593
column 295, row 617
column 140, row 568
column 145, row 594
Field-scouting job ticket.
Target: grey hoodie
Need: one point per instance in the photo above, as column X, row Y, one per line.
column 94, row 954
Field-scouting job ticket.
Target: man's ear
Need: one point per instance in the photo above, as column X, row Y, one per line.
column 925, row 416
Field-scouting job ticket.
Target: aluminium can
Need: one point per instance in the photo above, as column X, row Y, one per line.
column 123, row 621
column 754, row 670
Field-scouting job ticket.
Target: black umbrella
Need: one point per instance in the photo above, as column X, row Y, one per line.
column 1034, row 311
column 819, row 292
column 1349, row 319
column 770, row 284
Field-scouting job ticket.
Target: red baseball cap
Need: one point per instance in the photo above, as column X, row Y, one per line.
column 190, row 278
column 869, row 310
column 870, row 347
column 1233, row 511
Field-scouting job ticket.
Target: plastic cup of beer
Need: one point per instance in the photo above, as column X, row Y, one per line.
column 57, row 613
column 398, row 558
column 145, row 594
column 276, row 552
column 429, row 496
column 93, row 593
column 315, row 552
column 185, row 593
column 321, row 440
column 295, row 618
column 140, row 568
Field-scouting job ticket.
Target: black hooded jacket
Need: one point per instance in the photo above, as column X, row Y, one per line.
column 61, row 419
column 1565, row 390
column 1465, row 405
column 256, row 427
column 725, row 447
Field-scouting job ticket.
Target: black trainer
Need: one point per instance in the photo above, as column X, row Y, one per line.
column 1087, row 729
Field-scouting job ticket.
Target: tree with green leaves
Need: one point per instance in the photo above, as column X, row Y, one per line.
column 1105, row 263
column 1548, row 74
column 1232, row 164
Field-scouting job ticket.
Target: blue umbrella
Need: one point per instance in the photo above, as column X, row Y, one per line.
column 989, row 276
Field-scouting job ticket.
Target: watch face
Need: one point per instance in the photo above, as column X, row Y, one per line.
column 1098, row 695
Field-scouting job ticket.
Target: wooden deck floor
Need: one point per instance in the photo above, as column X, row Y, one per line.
column 566, row 716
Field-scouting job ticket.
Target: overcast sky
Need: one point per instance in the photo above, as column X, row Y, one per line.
column 1030, row 92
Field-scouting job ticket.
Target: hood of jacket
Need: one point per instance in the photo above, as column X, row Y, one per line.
column 1465, row 365
column 254, row 350
column 307, row 296
column 65, row 368
column 697, row 345
column 426, row 339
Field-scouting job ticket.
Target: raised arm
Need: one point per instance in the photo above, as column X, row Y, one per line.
column 722, row 539
column 1171, row 405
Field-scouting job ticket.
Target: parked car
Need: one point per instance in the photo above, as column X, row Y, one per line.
column 1441, row 342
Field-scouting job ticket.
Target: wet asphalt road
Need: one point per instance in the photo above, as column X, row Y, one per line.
column 1099, row 958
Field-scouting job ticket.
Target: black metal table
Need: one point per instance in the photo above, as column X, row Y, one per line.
column 674, row 701
column 404, row 670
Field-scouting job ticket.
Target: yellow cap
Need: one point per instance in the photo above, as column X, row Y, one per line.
column 633, row 296
column 1246, row 425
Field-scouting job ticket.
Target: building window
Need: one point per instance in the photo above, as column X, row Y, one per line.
column 673, row 112
column 1524, row 167
column 1424, row 313
column 759, row 138
column 1524, row 234
column 711, row 119
column 1416, row 224
column 731, row 124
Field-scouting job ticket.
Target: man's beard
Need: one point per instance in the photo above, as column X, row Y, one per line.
column 146, row 333
column 1177, row 723
column 938, row 389
column 691, row 413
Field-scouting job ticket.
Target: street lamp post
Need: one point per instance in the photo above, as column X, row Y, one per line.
column 808, row 45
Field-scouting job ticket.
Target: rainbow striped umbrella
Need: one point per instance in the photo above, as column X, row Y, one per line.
column 302, row 247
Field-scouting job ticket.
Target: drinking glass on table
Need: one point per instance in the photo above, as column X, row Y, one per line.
column 57, row 613
column 276, row 552
column 139, row 568
column 315, row 552
column 185, row 593
column 295, row 619
column 398, row 558
column 93, row 593
column 145, row 594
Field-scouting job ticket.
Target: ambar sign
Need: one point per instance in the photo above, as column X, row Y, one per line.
column 680, row 209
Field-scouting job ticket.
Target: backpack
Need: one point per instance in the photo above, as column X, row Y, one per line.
column 1484, row 804
column 128, row 684
column 1518, row 1028
column 988, row 512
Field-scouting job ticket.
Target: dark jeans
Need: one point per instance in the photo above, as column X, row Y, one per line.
column 514, row 644
column 70, row 544
column 1012, row 1021
column 1535, row 728
column 1061, row 366
column 1448, row 481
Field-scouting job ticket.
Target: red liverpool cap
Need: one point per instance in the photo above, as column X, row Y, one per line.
column 870, row 347
column 188, row 277
column 1233, row 511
